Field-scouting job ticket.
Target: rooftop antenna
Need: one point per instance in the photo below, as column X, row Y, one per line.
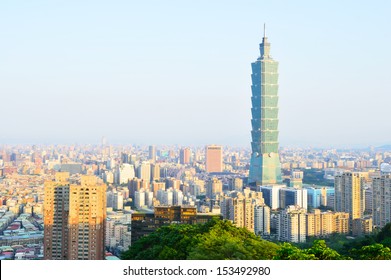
column 264, row 29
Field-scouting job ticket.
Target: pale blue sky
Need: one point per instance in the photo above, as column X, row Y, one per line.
column 178, row 72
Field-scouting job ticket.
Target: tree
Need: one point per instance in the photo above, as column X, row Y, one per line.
column 372, row 252
column 289, row 252
column 384, row 235
column 166, row 243
column 224, row 241
column 318, row 251
column 214, row 240
column 321, row 252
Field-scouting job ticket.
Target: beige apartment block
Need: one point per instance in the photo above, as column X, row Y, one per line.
column 326, row 223
column 349, row 194
column 74, row 218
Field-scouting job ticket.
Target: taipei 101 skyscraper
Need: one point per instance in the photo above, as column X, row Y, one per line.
column 265, row 166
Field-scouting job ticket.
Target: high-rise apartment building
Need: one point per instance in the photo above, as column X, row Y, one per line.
column 56, row 214
column 368, row 198
column 235, row 184
column 177, row 197
column 132, row 159
column 348, row 194
column 115, row 233
column 262, row 219
column 292, row 224
column 87, row 215
column 362, row 226
column 108, row 177
column 139, row 199
column 149, row 198
column 341, row 222
column 152, row 153
column 165, row 197
column 214, row 158
column 381, row 195
column 155, row 172
column 326, row 223
column 118, row 201
column 124, row 158
column 173, row 183
column 184, row 156
column 125, row 173
column 197, row 187
column 239, row 207
column 74, row 218
column 144, row 171
column 136, row 184
column 158, row 186
column 214, row 187
column 265, row 166
column 350, row 198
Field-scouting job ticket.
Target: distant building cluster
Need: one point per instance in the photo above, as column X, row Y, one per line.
column 93, row 202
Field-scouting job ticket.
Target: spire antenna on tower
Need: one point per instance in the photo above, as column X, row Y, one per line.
column 264, row 29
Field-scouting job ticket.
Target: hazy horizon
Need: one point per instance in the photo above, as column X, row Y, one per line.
column 180, row 145
column 177, row 72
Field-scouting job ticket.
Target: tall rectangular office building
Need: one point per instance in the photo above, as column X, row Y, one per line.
column 214, row 158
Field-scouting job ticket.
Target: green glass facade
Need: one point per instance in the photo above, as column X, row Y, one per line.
column 265, row 166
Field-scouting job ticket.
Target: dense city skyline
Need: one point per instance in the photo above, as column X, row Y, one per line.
column 147, row 186
column 140, row 73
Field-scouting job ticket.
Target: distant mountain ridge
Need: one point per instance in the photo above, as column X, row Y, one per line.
column 384, row 147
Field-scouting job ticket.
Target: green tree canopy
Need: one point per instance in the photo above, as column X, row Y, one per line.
column 224, row 241
column 214, row 240
column 289, row 252
column 372, row 252
column 221, row 240
column 384, row 236
column 321, row 252
column 166, row 243
column 318, row 251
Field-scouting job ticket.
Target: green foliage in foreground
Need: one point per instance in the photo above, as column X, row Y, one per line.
column 372, row 252
column 167, row 243
column 318, row 251
column 218, row 240
column 224, row 241
column 221, row 240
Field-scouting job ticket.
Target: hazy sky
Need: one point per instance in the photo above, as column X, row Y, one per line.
column 178, row 72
